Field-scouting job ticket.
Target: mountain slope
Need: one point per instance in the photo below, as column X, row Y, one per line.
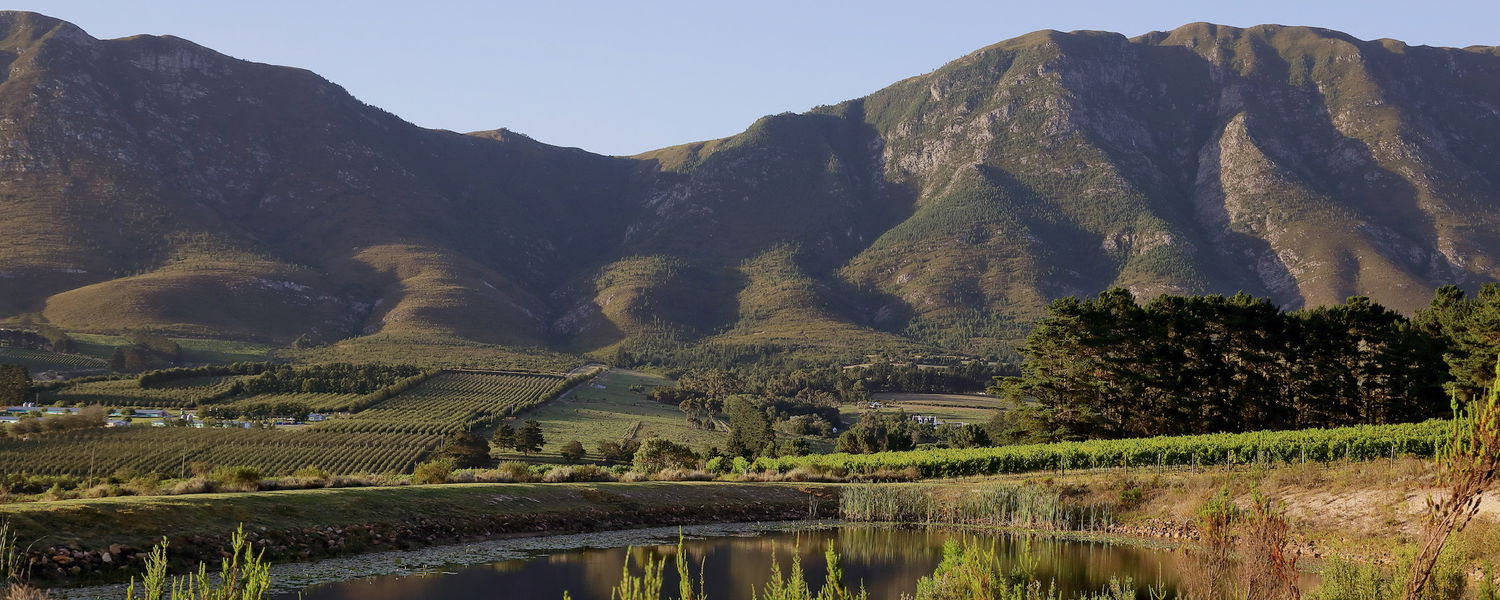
column 150, row 182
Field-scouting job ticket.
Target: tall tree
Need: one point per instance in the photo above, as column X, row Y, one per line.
column 468, row 451
column 529, row 439
column 749, row 429
column 504, row 437
column 15, row 384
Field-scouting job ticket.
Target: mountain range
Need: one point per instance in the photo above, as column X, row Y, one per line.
column 151, row 183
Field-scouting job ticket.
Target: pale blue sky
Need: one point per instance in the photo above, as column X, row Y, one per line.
column 622, row 77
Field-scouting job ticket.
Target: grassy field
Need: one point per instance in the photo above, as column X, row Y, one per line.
column 141, row 521
column 965, row 408
column 194, row 350
column 433, row 351
column 39, row 360
column 590, row 414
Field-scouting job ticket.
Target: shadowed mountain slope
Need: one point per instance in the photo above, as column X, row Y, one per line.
column 148, row 182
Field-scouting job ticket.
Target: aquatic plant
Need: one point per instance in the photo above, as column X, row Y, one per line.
column 243, row 575
column 995, row 505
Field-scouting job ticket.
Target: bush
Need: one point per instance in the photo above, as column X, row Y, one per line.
column 196, row 485
column 575, row 473
column 243, row 479
column 675, row 474
column 433, row 471
column 718, row 466
column 312, row 472
column 516, row 471
column 657, row 454
column 572, row 452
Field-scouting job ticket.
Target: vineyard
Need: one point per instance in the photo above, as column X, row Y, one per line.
column 1362, row 442
column 127, row 392
column 171, row 450
column 40, row 360
column 326, row 402
column 448, row 402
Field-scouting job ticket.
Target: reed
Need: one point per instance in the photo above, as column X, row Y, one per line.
column 243, row 575
column 995, row 505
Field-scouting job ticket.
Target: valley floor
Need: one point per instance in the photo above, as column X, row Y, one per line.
column 1361, row 511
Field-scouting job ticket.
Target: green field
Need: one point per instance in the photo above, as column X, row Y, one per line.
column 142, row 521
column 37, row 361
column 432, row 351
column 589, row 415
column 194, row 350
column 963, row 408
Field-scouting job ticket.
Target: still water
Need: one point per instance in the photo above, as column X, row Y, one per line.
column 888, row 561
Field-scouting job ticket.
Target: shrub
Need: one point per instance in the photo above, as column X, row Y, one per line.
column 312, row 472
column 657, row 454
column 196, row 485
column 717, row 465
column 572, row 452
column 683, row 475
column 433, row 471
column 516, row 471
column 244, row 479
column 575, row 473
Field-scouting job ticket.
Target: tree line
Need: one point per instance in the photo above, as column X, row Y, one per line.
column 44, row 337
column 1111, row 367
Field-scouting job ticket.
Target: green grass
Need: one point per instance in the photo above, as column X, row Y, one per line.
column 141, row 521
column 194, row 350
column 433, row 351
column 201, row 350
column 589, row 415
column 966, row 408
column 39, row 360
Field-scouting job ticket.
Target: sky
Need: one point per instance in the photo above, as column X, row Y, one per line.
column 622, row 76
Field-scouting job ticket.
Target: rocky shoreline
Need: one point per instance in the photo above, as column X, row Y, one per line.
column 70, row 564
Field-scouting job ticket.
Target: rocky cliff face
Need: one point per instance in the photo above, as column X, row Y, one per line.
column 151, row 182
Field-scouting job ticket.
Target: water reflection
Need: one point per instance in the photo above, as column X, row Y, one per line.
column 888, row 561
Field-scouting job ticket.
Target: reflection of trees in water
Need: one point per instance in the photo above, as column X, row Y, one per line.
column 887, row 560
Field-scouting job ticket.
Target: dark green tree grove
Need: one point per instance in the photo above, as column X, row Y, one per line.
column 15, row 384
column 750, row 430
column 1471, row 325
column 466, row 450
column 529, row 439
column 1110, row 367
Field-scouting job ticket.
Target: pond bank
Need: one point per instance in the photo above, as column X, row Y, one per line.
column 103, row 540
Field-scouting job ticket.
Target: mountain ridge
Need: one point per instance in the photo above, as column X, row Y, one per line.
column 149, row 182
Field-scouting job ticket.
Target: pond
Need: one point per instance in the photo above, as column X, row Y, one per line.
column 888, row 561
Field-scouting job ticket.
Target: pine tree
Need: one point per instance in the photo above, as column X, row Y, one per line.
column 529, row 439
column 468, row 451
column 15, row 384
column 505, row 437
